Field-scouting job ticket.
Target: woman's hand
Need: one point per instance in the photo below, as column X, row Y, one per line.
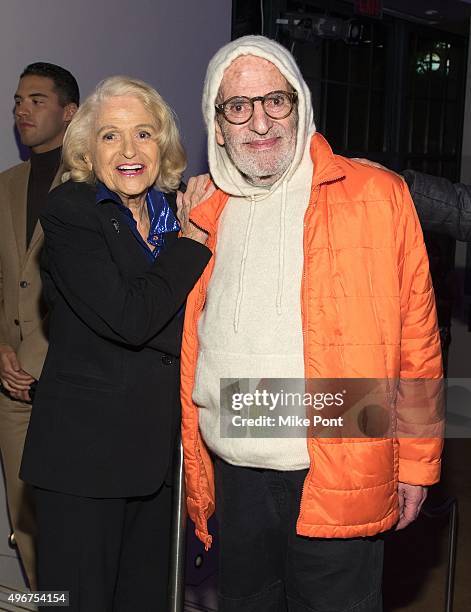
column 199, row 188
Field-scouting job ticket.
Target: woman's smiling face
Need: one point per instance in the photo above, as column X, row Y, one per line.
column 124, row 152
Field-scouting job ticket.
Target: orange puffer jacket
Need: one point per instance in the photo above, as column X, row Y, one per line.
column 368, row 311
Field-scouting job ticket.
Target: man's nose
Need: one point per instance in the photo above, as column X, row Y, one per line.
column 22, row 110
column 260, row 121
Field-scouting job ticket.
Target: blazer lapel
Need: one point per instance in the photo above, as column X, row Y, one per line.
column 38, row 232
column 18, row 199
column 58, row 178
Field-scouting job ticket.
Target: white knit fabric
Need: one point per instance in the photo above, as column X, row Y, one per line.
column 251, row 323
column 223, row 172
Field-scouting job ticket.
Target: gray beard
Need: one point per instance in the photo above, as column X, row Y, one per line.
column 260, row 169
column 255, row 169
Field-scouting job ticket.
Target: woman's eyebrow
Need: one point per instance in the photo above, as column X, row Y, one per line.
column 107, row 127
column 140, row 126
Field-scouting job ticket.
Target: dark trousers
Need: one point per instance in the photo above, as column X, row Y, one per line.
column 265, row 566
column 111, row 554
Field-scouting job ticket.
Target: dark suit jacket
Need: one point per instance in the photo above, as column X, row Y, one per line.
column 107, row 405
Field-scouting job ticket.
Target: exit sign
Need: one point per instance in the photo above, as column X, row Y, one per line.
column 369, row 8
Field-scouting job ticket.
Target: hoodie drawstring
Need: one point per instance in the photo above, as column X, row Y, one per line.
column 242, row 264
column 281, row 247
column 281, row 255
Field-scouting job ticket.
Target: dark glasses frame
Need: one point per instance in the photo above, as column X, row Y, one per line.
column 291, row 95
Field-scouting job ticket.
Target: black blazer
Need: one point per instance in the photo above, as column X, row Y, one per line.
column 107, row 405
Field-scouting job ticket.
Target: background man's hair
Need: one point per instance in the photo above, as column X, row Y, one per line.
column 64, row 82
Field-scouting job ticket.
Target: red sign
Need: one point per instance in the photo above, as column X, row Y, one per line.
column 370, row 8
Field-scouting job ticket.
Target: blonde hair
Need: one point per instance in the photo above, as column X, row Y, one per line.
column 77, row 139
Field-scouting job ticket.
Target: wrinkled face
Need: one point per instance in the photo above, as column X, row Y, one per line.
column 263, row 148
column 40, row 119
column 124, row 152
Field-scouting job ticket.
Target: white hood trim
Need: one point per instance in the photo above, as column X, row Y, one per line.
column 225, row 175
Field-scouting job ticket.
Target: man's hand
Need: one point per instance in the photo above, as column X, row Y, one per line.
column 411, row 498
column 15, row 380
column 199, row 188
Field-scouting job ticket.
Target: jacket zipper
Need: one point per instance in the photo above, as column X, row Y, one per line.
column 317, row 189
column 303, row 319
column 197, row 450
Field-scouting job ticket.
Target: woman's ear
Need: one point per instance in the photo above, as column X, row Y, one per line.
column 88, row 160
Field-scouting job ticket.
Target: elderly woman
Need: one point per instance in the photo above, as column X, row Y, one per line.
column 117, row 268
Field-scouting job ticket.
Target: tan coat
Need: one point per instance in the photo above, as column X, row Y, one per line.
column 22, row 311
column 22, row 325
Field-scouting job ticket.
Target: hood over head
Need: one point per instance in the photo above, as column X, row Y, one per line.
column 224, row 173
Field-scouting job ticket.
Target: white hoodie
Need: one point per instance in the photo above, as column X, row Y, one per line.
column 251, row 325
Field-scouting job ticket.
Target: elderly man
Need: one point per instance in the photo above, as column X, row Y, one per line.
column 320, row 271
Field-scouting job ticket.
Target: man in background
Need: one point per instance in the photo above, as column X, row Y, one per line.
column 46, row 99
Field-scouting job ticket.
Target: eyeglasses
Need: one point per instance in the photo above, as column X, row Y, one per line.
column 276, row 104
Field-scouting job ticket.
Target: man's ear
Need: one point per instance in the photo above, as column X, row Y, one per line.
column 69, row 111
column 219, row 136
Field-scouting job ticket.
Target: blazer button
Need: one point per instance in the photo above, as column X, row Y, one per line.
column 23, row 284
column 16, row 322
column 167, row 360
